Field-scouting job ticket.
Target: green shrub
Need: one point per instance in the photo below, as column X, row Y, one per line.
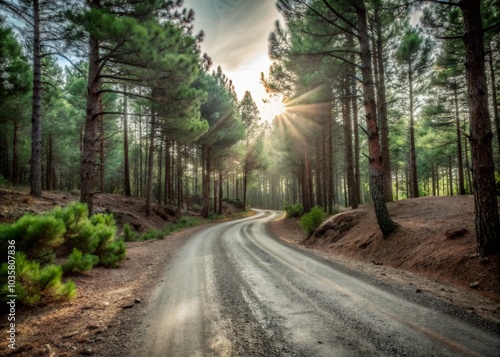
column 37, row 236
column 112, row 252
column 295, row 210
column 4, row 182
column 312, row 220
column 78, row 262
column 109, row 250
column 128, row 235
column 234, row 201
column 184, row 222
column 37, row 285
column 74, row 216
column 86, row 239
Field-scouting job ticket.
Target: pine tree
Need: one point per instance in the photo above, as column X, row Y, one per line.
column 250, row 117
column 413, row 52
column 126, row 44
column 486, row 206
column 225, row 127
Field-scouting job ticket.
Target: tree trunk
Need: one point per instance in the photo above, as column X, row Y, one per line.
column 486, row 207
column 205, row 159
column 49, row 170
column 15, row 154
column 331, row 187
column 167, row 172
column 36, row 118
column 179, row 176
column 88, row 173
column 413, row 155
column 494, row 103
column 245, row 178
column 215, row 194
column 319, row 161
column 219, row 211
column 382, row 111
column 140, row 171
column 355, row 122
column 101, row 149
column 349, row 162
column 126, row 162
column 160, row 172
column 149, row 179
column 461, row 184
column 450, row 175
column 386, row 224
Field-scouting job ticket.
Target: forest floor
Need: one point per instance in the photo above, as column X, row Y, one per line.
column 111, row 302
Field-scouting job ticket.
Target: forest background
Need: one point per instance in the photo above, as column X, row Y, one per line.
column 375, row 109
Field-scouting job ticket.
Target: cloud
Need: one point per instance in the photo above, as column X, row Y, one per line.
column 236, row 31
column 236, row 38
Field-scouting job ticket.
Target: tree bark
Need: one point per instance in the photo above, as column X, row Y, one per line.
column 496, row 116
column 349, row 160
column 486, row 207
column 149, row 179
column 461, row 184
column 15, row 154
column 386, row 224
column 49, row 170
column 219, row 211
column 179, row 176
column 331, row 188
column 101, row 149
column 36, row 117
column 382, row 111
column 413, row 156
column 88, row 173
column 126, row 162
column 205, row 159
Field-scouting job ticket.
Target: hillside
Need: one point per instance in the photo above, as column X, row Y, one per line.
column 435, row 240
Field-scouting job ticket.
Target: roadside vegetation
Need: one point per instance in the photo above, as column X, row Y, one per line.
column 53, row 245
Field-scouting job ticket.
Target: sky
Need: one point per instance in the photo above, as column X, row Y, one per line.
column 236, row 38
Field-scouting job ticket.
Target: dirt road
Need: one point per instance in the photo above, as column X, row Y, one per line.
column 233, row 290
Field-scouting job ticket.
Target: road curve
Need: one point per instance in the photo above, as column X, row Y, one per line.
column 233, row 290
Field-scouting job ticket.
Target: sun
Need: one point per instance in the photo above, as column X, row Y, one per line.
column 272, row 108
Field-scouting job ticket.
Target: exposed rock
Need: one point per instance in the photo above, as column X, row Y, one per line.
column 137, row 300
column 87, row 352
column 455, row 233
column 71, row 334
column 128, row 306
column 334, row 228
column 474, row 285
column 364, row 245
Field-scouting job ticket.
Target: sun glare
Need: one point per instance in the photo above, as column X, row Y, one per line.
column 272, row 108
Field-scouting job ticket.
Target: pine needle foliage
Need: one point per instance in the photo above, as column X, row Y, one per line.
column 78, row 262
column 293, row 210
column 37, row 285
column 312, row 220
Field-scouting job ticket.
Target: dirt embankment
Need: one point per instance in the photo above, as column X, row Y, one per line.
column 435, row 240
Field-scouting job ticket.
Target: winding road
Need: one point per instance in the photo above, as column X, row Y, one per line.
column 234, row 290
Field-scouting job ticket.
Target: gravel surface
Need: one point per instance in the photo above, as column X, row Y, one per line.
column 234, row 290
